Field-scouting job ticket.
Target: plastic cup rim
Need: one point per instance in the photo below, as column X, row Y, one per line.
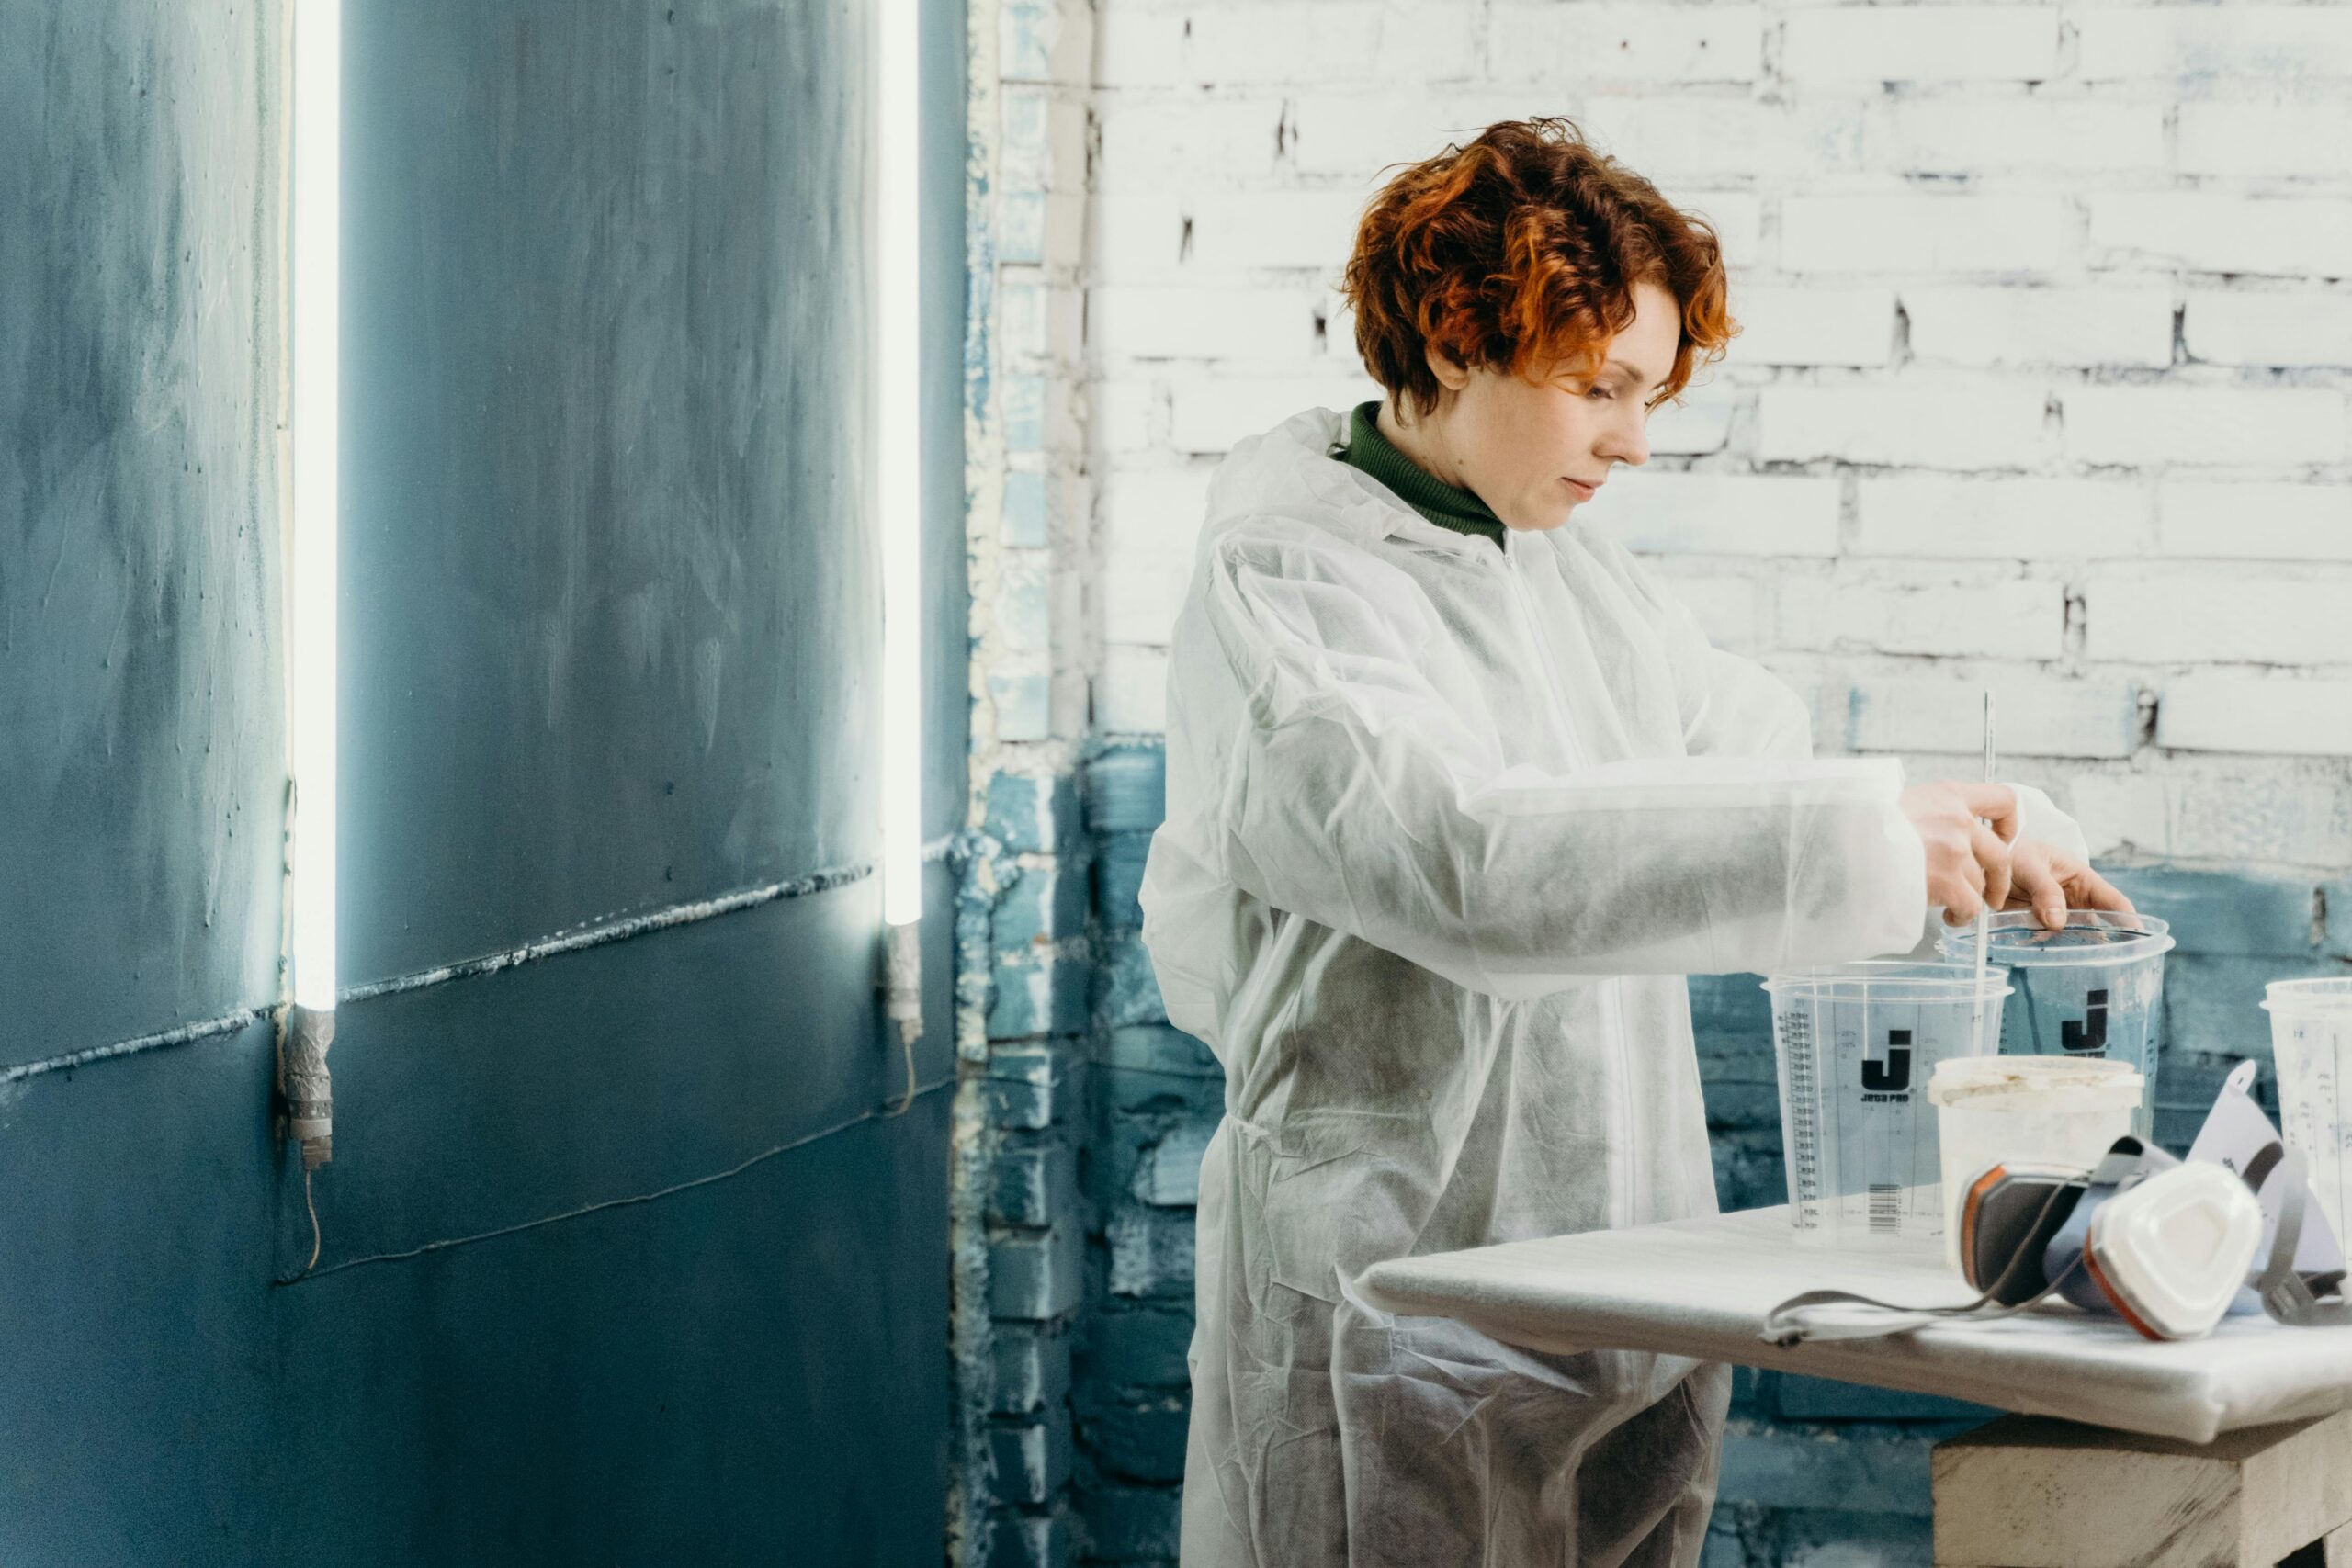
column 1894, row 976
column 2313, row 995
column 2149, row 937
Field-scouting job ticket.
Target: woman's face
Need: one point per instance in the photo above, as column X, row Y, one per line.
column 1528, row 448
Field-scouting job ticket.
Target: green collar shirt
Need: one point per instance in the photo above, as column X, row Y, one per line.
column 1446, row 506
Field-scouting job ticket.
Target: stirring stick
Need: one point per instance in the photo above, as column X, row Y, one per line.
column 1983, row 908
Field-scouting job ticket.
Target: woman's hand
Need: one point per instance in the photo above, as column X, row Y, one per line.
column 2050, row 883
column 1968, row 862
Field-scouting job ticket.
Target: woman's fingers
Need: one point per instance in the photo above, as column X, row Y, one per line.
column 2050, row 884
column 1961, row 889
column 1966, row 831
column 1993, row 857
column 2040, row 885
column 1996, row 804
column 2092, row 891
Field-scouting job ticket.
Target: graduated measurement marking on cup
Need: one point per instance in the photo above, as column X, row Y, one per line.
column 1886, row 1207
column 1803, row 1133
column 2316, row 1121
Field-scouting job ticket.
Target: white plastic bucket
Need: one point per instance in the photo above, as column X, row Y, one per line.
column 2092, row 989
column 2025, row 1110
column 1856, row 1044
column 2310, row 1043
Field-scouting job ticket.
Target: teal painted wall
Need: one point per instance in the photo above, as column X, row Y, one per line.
column 624, row 1258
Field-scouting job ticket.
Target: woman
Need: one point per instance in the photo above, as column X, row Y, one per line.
column 1457, row 795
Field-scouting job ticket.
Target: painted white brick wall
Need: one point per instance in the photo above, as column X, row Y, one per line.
column 1922, row 43
column 2252, row 521
column 1035, row 619
column 1738, row 515
column 1935, row 424
column 1896, row 232
column 2237, row 713
column 2278, row 236
column 1956, row 138
column 2046, row 381
column 2269, row 136
column 2289, row 327
column 2117, row 326
column 2243, row 426
column 1813, row 325
column 2269, row 45
column 2039, row 714
column 2019, row 519
column 1923, row 612
column 2197, row 614
column 1624, row 42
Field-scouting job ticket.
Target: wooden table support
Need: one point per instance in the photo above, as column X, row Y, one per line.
column 2029, row 1491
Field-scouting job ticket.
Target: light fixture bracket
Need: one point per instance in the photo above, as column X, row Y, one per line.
column 303, row 1082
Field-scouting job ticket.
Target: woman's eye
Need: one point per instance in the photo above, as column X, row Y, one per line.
column 1602, row 392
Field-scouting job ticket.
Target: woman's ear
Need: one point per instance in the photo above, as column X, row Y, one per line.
column 1449, row 375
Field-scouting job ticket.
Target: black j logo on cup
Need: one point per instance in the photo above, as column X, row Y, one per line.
column 1893, row 1075
column 2091, row 1034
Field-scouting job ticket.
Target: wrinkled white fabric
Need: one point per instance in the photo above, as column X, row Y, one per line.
column 1446, row 828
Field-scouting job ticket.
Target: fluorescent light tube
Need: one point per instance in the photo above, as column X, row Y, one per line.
column 897, row 374
column 315, row 360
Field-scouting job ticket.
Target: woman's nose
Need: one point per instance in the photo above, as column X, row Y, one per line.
column 1628, row 441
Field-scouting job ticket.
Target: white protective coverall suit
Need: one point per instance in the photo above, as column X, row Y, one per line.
column 1446, row 828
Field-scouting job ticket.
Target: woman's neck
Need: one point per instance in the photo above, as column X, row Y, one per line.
column 1421, row 441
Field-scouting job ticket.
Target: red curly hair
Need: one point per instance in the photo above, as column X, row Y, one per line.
column 1521, row 252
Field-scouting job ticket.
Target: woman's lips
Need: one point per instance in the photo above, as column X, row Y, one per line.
column 1584, row 491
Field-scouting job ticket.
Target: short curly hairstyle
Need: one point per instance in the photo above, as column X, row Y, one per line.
column 1521, row 252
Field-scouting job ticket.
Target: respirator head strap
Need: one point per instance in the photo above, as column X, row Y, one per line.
column 1797, row 1320
column 2286, row 1295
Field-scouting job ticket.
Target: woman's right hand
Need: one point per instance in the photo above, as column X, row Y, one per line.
column 1968, row 862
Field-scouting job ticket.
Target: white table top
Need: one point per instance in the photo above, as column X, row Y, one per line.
column 1702, row 1288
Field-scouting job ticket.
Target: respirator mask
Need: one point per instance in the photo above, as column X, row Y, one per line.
column 2168, row 1246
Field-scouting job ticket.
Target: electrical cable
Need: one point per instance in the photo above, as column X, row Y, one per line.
column 314, row 1275
column 304, row 1271
column 907, row 1044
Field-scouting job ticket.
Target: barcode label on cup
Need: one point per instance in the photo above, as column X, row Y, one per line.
column 1886, row 1206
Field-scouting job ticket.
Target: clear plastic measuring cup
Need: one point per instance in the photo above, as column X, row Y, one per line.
column 2311, row 1041
column 1856, row 1044
column 2093, row 989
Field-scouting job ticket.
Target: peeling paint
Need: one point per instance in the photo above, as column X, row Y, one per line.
column 972, row 1139
column 161, row 1040
column 597, row 933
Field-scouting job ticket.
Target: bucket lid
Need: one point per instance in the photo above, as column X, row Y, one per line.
column 1893, row 979
column 2089, row 936
column 2032, row 1083
column 2332, row 995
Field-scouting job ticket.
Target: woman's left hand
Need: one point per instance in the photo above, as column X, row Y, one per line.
column 2049, row 883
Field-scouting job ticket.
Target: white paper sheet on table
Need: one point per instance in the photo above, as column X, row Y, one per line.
column 2236, row 1130
column 1702, row 1287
